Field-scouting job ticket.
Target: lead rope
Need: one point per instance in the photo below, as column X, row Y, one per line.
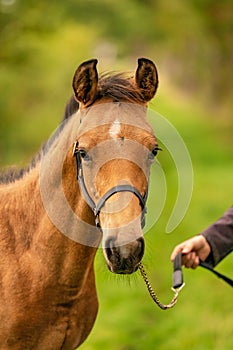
column 178, row 284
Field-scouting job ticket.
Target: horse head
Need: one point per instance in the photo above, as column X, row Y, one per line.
column 114, row 149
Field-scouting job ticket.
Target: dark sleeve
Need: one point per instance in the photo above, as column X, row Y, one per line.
column 220, row 237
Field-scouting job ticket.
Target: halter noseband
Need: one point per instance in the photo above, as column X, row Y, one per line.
column 116, row 189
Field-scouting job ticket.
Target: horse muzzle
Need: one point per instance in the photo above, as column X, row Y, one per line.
column 124, row 259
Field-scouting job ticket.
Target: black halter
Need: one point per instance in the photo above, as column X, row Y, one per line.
column 116, row 189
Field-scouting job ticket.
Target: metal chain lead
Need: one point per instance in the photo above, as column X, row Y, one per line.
column 153, row 295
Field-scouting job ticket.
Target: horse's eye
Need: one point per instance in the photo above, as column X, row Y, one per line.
column 154, row 152
column 84, row 155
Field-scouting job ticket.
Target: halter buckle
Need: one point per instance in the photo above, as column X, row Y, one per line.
column 75, row 148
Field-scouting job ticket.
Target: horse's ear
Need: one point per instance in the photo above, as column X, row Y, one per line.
column 146, row 78
column 85, row 82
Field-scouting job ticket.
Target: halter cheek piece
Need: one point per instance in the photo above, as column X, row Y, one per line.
column 116, row 189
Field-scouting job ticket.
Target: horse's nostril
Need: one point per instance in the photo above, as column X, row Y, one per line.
column 110, row 242
column 109, row 253
column 112, row 251
column 113, row 256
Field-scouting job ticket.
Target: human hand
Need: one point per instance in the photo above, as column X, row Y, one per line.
column 194, row 249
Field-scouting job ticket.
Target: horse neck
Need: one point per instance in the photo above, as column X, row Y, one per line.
column 60, row 190
column 27, row 223
column 21, row 210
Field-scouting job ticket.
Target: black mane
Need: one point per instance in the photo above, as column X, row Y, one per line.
column 12, row 173
column 117, row 87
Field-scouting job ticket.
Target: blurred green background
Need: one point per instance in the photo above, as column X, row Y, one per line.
column 41, row 45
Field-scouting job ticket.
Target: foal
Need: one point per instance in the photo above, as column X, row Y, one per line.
column 48, row 233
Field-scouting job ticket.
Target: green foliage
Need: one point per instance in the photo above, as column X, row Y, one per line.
column 43, row 42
